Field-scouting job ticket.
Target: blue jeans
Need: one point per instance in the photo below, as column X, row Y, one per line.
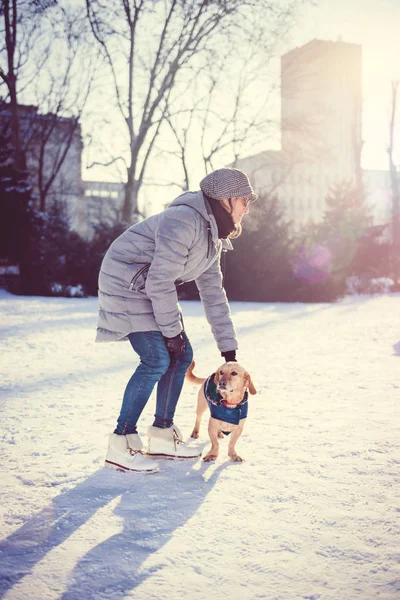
column 155, row 367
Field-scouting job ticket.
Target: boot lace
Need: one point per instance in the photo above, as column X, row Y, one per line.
column 177, row 440
column 134, row 452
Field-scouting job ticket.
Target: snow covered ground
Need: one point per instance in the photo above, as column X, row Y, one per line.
column 313, row 513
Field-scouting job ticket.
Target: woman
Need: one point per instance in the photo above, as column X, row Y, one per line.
column 139, row 302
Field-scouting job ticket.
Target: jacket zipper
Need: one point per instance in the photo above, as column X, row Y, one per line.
column 209, row 238
column 138, row 274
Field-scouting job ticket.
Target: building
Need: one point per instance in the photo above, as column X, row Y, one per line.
column 53, row 149
column 321, row 143
column 102, row 202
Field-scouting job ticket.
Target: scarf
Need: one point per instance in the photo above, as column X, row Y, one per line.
column 224, row 220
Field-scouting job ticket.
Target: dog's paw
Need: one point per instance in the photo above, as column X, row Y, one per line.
column 210, row 457
column 236, row 458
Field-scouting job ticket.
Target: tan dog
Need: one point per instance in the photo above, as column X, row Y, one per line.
column 231, row 384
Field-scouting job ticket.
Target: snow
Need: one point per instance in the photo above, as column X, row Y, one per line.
column 313, row 513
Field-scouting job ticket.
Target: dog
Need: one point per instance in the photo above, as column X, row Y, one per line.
column 225, row 393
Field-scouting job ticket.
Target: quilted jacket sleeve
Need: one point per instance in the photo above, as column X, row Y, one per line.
column 174, row 237
column 216, row 307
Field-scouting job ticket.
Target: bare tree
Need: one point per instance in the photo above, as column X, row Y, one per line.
column 234, row 115
column 149, row 47
column 62, row 94
column 230, row 99
column 21, row 29
column 48, row 65
column 395, row 188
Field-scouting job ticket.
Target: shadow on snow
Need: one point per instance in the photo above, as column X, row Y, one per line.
column 152, row 508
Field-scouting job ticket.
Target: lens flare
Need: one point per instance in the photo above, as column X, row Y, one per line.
column 312, row 264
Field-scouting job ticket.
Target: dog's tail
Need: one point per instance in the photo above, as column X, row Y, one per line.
column 190, row 376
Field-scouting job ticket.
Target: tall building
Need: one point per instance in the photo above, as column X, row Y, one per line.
column 321, row 105
column 321, row 138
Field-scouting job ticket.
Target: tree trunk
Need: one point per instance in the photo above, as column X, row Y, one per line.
column 395, row 227
column 10, row 20
column 395, row 194
column 130, row 210
column 20, row 162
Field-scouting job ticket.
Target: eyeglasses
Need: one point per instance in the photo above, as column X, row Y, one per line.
column 246, row 201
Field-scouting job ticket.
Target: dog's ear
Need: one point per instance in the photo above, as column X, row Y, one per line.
column 249, row 384
column 216, row 377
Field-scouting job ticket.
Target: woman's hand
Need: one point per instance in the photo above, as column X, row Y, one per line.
column 229, row 355
column 175, row 345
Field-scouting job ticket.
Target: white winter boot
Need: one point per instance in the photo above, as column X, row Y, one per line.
column 125, row 454
column 168, row 443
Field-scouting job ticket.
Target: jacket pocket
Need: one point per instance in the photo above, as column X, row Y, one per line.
column 138, row 282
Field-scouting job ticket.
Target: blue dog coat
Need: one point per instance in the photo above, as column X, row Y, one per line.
column 218, row 409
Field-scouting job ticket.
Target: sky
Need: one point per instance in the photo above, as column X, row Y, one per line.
column 312, row 513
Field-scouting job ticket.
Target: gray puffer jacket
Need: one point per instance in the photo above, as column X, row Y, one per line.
column 143, row 266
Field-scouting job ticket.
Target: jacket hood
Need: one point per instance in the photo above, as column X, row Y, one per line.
column 197, row 201
column 194, row 200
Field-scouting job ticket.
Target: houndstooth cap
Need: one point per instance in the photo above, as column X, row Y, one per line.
column 227, row 183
